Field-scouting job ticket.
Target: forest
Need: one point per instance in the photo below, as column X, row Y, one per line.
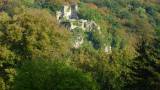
column 37, row 53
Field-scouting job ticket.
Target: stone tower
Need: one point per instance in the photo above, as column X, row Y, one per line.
column 66, row 11
column 74, row 11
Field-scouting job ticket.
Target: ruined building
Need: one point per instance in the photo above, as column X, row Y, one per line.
column 68, row 12
column 68, row 17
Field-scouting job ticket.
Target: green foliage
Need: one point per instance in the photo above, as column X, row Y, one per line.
column 141, row 11
column 89, row 13
column 27, row 35
column 145, row 68
column 131, row 27
column 110, row 72
column 2, row 84
column 97, row 39
column 52, row 5
column 52, row 75
column 28, row 2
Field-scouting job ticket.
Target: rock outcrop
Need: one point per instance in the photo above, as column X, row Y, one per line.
column 108, row 49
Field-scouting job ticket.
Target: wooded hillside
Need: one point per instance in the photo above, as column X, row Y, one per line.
column 36, row 51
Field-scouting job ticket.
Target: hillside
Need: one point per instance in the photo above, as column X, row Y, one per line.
column 79, row 44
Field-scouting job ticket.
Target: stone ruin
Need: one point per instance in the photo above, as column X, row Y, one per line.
column 68, row 12
column 68, row 17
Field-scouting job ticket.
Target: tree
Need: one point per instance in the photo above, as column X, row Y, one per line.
column 27, row 35
column 89, row 13
column 145, row 68
column 2, row 84
column 52, row 75
column 53, row 5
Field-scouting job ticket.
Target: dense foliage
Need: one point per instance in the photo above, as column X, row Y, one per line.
column 49, row 75
column 36, row 52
